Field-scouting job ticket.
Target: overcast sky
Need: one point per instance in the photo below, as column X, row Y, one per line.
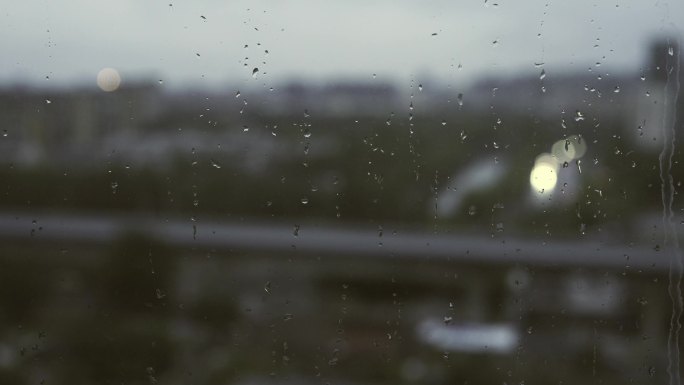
column 70, row 41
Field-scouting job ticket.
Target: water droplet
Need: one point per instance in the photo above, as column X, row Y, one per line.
column 237, row 94
column 305, row 200
column 434, row 34
column 447, row 320
column 203, row 18
column 617, row 89
column 151, row 375
column 160, row 81
column 48, row 101
column 295, row 231
column 542, row 75
column 287, row 317
column 198, row 55
column 444, row 122
column 459, row 99
column 267, row 287
column 472, row 210
column 214, row 163
column 255, row 71
column 670, row 51
column 420, row 87
column 579, row 116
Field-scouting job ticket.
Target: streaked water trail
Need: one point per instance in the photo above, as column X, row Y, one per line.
column 671, row 240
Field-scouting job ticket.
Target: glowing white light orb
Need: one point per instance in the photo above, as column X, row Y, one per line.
column 544, row 175
column 108, row 79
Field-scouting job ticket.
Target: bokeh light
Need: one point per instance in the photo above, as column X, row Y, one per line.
column 544, row 175
column 108, row 79
column 570, row 148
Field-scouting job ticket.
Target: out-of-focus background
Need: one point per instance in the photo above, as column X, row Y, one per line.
column 340, row 192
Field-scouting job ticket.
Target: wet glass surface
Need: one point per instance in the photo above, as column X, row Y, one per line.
column 340, row 193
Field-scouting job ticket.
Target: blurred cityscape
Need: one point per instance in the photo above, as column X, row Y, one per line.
column 341, row 233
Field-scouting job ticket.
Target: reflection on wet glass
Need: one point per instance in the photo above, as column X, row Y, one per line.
column 468, row 195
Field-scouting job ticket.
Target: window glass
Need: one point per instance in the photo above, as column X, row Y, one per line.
column 388, row 192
